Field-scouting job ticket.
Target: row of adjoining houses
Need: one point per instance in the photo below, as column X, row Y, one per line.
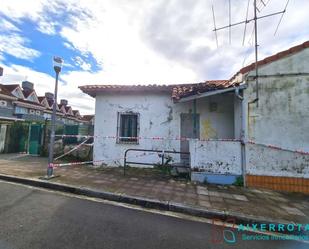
column 233, row 130
column 25, row 117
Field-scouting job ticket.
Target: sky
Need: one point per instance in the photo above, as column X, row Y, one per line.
column 137, row 41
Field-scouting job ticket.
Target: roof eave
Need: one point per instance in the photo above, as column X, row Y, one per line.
column 209, row 93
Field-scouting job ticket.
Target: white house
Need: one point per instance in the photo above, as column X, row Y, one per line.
column 232, row 130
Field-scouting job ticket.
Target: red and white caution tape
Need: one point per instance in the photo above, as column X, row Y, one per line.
column 73, row 149
column 279, row 148
column 56, row 165
column 150, row 138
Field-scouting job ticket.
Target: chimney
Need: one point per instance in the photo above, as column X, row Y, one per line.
column 1, row 71
column 49, row 96
column 26, row 85
column 64, row 102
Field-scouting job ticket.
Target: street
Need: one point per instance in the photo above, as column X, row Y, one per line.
column 32, row 218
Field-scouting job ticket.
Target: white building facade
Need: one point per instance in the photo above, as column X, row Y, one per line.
column 232, row 130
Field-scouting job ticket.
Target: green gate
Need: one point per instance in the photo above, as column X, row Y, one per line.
column 70, row 130
column 35, row 139
column 18, row 137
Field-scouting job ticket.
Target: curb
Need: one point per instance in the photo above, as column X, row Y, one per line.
column 227, row 217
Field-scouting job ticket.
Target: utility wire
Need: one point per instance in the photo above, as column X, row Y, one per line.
column 281, row 16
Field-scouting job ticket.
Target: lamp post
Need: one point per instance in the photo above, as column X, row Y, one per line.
column 57, row 63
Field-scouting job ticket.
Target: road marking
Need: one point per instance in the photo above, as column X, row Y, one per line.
column 150, row 210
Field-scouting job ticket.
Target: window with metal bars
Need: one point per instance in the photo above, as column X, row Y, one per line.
column 128, row 127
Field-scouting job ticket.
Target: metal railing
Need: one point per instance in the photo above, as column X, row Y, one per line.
column 145, row 163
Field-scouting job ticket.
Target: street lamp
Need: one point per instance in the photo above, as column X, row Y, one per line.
column 57, row 63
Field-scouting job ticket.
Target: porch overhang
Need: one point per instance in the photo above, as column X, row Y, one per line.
column 211, row 93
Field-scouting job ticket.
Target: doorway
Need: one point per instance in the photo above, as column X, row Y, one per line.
column 189, row 128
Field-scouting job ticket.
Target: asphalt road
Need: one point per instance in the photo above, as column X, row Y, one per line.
column 32, row 218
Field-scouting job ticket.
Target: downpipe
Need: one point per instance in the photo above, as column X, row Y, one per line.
column 242, row 135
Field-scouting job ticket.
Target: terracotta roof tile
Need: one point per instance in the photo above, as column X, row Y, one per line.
column 87, row 117
column 177, row 91
column 182, row 91
column 41, row 98
column 5, row 91
column 10, row 87
column 93, row 89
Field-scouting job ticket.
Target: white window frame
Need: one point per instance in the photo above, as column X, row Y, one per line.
column 21, row 110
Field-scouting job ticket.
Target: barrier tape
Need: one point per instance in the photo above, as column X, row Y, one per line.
column 56, row 165
column 186, row 139
column 279, row 148
column 150, row 138
column 73, row 149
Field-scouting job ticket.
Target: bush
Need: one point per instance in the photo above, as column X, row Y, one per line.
column 239, row 181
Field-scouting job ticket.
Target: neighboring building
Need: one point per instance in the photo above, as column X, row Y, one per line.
column 6, row 104
column 21, row 103
column 88, row 119
column 6, row 115
column 230, row 133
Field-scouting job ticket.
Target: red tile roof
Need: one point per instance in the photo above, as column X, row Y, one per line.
column 177, row 91
column 182, row 91
column 41, row 98
column 273, row 58
column 10, row 87
column 5, row 91
column 93, row 89
column 87, row 117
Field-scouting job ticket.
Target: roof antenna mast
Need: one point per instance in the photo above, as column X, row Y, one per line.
column 213, row 16
column 255, row 20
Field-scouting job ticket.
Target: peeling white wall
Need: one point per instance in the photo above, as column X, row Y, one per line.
column 222, row 157
column 281, row 119
column 159, row 116
column 262, row 160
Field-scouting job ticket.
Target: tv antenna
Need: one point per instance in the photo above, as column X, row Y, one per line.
column 246, row 21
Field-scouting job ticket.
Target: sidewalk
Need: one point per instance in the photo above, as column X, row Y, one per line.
column 148, row 184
